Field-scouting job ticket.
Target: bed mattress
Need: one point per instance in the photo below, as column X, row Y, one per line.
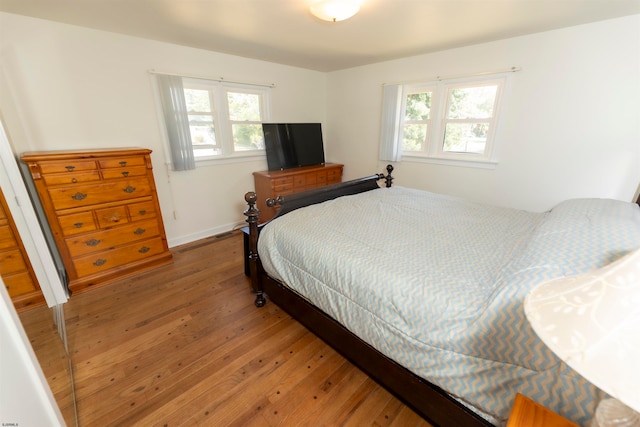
column 436, row 283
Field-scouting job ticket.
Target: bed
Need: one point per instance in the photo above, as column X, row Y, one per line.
column 424, row 292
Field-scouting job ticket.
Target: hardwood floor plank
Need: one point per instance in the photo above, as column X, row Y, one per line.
column 184, row 345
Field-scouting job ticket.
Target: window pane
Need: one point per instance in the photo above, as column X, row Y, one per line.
column 465, row 137
column 472, row 102
column 244, row 107
column 414, row 137
column 198, row 101
column 202, row 130
column 418, row 106
column 247, row 137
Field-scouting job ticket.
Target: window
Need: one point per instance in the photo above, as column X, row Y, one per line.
column 224, row 120
column 449, row 120
column 207, row 119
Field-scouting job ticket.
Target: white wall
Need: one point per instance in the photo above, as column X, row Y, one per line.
column 571, row 129
column 66, row 87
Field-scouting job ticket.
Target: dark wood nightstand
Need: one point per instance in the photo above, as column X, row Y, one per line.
column 527, row 413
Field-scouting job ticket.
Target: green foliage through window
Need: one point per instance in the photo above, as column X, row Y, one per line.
column 222, row 130
column 449, row 119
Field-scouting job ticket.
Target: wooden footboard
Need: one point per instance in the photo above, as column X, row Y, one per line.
column 428, row 400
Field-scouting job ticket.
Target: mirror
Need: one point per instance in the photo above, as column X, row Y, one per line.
column 46, row 330
column 27, row 269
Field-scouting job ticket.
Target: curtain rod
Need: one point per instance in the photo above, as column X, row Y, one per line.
column 458, row 76
column 214, row 79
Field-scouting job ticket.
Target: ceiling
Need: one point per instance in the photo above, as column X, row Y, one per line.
column 283, row 31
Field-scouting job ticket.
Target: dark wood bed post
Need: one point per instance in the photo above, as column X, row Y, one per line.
column 388, row 179
column 253, row 216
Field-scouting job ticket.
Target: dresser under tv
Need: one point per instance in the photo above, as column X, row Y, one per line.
column 269, row 184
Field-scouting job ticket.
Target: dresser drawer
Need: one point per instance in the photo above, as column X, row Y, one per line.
column 110, row 217
column 3, row 216
column 72, row 165
column 86, row 195
column 299, row 181
column 71, row 178
column 321, row 178
column 6, row 237
column 334, row 175
column 312, row 178
column 124, row 172
column 107, row 239
column 11, row 262
column 143, row 210
column 288, row 180
column 19, row 284
column 122, row 162
column 77, row 223
column 280, row 190
column 106, row 260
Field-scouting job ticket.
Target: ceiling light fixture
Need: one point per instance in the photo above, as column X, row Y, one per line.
column 335, row 10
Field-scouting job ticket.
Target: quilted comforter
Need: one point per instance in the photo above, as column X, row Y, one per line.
column 437, row 284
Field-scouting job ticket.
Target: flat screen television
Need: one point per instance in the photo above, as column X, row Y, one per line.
column 291, row 145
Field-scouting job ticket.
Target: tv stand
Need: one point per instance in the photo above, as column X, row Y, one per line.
column 269, row 184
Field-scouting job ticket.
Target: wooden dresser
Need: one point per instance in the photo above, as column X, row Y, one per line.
column 269, row 184
column 103, row 212
column 15, row 268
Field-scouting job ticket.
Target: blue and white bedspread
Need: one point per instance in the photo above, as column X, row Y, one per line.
column 437, row 283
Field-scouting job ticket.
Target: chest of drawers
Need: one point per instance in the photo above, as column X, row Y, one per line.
column 15, row 268
column 103, row 211
column 269, row 184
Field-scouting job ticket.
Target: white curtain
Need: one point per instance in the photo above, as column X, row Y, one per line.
column 390, row 144
column 176, row 120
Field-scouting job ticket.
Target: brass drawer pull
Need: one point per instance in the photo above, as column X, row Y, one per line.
column 92, row 242
column 79, row 196
column 69, row 168
column 125, row 173
column 144, row 250
column 139, row 231
column 74, row 180
column 100, row 262
column 78, row 225
column 129, row 189
column 142, row 211
column 115, row 217
column 123, row 163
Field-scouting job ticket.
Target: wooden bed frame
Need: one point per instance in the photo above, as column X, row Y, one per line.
column 430, row 401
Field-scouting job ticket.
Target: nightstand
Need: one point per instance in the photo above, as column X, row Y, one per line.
column 527, row 413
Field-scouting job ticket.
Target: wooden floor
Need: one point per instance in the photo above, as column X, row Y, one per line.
column 184, row 345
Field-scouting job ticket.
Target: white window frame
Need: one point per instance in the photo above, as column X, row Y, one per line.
column 433, row 151
column 222, row 122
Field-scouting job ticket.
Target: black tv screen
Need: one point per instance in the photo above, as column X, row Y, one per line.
column 291, row 145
